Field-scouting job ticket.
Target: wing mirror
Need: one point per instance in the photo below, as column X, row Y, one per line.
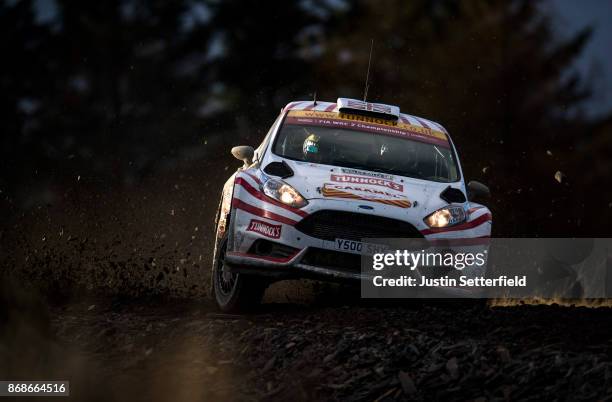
column 244, row 153
column 476, row 189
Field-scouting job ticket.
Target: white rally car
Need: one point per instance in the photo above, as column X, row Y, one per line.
column 326, row 176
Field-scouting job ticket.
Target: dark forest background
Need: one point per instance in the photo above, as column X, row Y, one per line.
column 117, row 116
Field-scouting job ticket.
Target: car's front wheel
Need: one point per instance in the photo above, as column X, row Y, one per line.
column 234, row 292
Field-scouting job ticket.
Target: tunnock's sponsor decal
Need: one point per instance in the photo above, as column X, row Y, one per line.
column 266, row 229
column 374, row 181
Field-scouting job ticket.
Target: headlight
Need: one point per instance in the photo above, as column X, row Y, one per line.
column 447, row 216
column 281, row 191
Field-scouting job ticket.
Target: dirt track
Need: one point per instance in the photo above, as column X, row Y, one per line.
column 162, row 350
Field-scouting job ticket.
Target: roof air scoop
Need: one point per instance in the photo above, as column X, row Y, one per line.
column 375, row 110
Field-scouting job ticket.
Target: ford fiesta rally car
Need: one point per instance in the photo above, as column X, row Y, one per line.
column 326, row 176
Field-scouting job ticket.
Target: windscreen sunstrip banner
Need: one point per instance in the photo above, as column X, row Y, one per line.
column 367, row 124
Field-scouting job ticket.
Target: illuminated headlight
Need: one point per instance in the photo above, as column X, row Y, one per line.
column 447, row 216
column 281, row 191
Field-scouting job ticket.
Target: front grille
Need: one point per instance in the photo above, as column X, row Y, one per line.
column 331, row 225
column 319, row 257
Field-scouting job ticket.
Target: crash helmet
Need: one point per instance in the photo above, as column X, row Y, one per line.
column 312, row 147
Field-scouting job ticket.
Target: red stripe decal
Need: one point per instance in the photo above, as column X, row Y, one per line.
column 404, row 120
column 254, row 177
column 262, row 257
column 464, row 226
column 310, row 107
column 472, row 210
column 330, row 107
column 294, row 105
column 260, row 196
column 440, row 128
column 422, row 122
column 288, row 107
column 236, row 203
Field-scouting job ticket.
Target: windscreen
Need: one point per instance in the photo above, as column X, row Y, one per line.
column 354, row 148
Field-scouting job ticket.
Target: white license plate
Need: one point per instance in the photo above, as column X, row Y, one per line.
column 359, row 247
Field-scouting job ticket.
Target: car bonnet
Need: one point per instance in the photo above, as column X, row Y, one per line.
column 386, row 194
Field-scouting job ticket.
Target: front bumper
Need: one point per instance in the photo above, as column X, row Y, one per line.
column 255, row 218
column 317, row 248
column 300, row 261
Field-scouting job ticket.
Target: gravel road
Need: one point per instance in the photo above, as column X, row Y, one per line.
column 143, row 349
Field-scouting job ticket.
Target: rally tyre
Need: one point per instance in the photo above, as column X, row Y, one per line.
column 233, row 292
